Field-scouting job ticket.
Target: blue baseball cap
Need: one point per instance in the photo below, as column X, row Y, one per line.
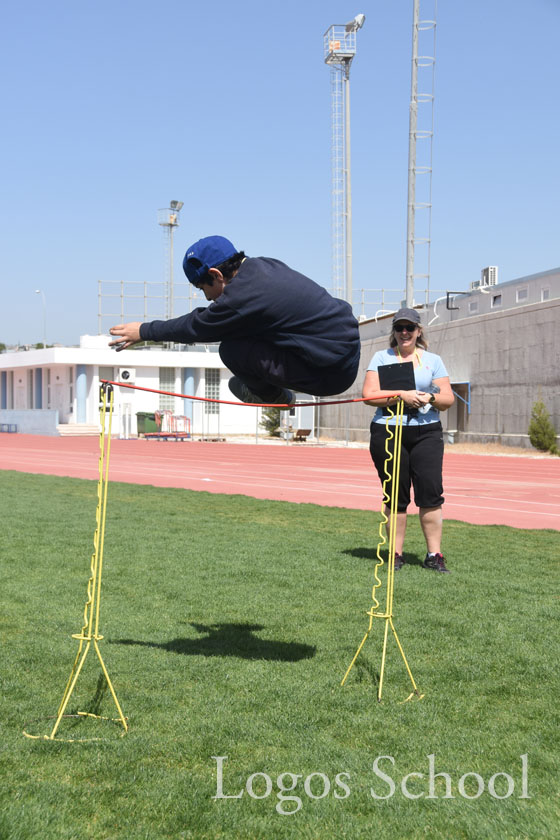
column 207, row 253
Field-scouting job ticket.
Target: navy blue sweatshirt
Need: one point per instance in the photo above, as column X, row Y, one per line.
column 266, row 299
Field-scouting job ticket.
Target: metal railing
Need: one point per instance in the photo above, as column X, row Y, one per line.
column 371, row 303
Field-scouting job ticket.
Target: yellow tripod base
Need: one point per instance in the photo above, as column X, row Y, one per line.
column 81, row 657
column 415, row 694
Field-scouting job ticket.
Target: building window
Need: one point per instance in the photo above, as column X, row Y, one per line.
column 473, row 306
column 49, row 404
column 545, row 294
column 496, row 301
column 212, row 390
column 30, row 389
column 522, row 294
column 107, row 373
column 166, row 383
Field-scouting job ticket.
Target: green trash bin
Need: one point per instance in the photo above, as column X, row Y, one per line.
column 146, row 422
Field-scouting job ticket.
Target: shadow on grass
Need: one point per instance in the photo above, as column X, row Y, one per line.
column 366, row 672
column 230, row 640
column 94, row 705
column 371, row 554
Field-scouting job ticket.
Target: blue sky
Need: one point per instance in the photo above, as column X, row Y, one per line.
column 112, row 109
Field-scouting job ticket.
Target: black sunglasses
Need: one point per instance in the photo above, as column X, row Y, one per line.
column 408, row 327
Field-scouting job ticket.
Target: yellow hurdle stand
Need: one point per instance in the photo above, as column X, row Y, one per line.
column 393, row 449
column 90, row 630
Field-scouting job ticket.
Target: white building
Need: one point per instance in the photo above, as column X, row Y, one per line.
column 56, row 390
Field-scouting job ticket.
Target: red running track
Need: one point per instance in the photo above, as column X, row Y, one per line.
column 521, row 491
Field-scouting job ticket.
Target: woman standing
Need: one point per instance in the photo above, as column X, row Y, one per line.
column 422, row 437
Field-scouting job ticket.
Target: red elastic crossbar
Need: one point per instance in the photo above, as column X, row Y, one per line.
column 255, row 405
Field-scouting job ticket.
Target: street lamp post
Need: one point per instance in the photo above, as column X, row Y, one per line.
column 40, row 292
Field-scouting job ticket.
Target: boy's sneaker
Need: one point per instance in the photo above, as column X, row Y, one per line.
column 238, row 388
column 435, row 562
column 399, row 562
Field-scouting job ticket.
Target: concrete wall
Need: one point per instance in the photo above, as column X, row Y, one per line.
column 32, row 422
column 510, row 358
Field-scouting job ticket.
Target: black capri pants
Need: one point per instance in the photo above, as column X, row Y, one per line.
column 421, row 463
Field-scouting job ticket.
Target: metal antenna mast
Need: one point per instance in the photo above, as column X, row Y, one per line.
column 339, row 49
column 169, row 219
column 421, row 127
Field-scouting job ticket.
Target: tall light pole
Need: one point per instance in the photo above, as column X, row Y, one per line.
column 39, row 292
column 423, row 67
column 339, row 51
column 169, row 219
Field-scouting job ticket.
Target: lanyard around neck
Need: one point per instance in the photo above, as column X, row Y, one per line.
column 415, row 353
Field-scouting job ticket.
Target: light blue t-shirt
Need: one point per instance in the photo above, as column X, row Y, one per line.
column 431, row 367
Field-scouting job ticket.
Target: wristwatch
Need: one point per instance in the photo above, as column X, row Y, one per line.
column 432, row 399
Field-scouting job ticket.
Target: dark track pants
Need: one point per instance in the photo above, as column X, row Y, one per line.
column 266, row 369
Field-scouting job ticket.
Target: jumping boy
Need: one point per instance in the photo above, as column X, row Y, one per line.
column 278, row 330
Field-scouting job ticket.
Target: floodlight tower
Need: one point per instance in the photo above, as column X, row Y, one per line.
column 168, row 218
column 339, row 49
column 421, row 127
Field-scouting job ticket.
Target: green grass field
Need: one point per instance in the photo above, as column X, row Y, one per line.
column 229, row 623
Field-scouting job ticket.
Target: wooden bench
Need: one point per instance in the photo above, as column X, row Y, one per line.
column 301, row 435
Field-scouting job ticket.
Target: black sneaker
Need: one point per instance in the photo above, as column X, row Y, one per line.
column 436, row 563
column 284, row 400
column 399, row 562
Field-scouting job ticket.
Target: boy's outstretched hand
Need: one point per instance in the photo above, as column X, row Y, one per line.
column 128, row 334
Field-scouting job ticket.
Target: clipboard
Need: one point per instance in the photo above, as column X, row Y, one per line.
column 399, row 376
